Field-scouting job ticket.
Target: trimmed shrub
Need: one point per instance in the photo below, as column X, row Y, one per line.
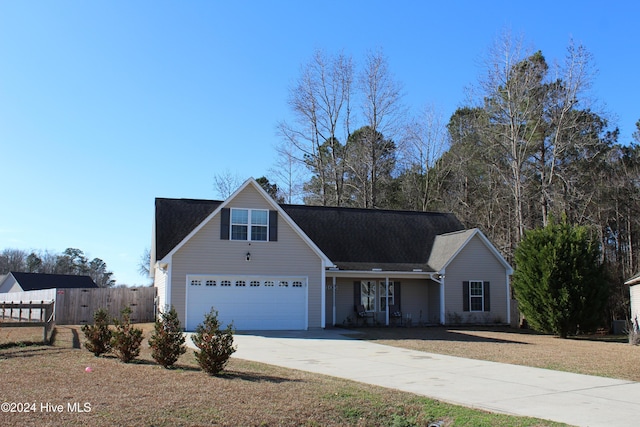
column 98, row 335
column 126, row 338
column 167, row 340
column 216, row 346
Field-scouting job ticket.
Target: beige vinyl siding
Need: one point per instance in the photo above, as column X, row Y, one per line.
column 415, row 300
column 205, row 254
column 434, row 303
column 344, row 301
column 475, row 262
column 160, row 282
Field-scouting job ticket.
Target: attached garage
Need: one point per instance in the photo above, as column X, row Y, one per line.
column 250, row 302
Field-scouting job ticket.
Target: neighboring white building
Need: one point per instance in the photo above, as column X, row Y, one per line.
column 634, row 291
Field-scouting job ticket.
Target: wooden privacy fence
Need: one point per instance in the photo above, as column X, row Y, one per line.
column 28, row 314
column 76, row 306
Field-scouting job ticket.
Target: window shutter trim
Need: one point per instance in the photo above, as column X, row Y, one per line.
column 357, row 295
column 487, row 296
column 465, row 296
column 225, row 214
column 273, row 226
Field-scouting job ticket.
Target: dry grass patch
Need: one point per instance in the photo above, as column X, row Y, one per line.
column 591, row 355
column 247, row 393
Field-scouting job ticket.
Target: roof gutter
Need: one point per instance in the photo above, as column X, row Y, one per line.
column 431, row 275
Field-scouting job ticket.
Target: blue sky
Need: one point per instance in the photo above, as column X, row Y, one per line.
column 105, row 105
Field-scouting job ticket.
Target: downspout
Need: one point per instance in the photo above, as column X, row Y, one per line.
column 323, row 298
column 439, row 278
column 442, row 302
column 167, row 301
column 508, row 299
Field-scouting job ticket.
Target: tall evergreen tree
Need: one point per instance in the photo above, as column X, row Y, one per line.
column 559, row 281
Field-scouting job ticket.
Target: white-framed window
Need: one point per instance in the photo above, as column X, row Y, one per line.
column 284, row 283
column 254, row 283
column 225, row 283
column 250, row 224
column 383, row 298
column 241, row 283
column 368, row 295
column 296, row 284
column 476, row 295
column 196, row 282
column 210, row 283
column 268, row 283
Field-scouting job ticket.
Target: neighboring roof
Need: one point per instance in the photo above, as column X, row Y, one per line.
column 39, row 281
column 635, row 280
column 362, row 239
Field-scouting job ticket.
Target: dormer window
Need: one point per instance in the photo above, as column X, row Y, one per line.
column 253, row 225
column 250, row 224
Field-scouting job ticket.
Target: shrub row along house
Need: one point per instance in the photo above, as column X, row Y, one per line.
column 270, row 266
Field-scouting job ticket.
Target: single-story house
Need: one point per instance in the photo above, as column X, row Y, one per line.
column 22, row 282
column 269, row 266
column 634, row 291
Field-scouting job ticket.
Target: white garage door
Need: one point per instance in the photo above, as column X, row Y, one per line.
column 251, row 302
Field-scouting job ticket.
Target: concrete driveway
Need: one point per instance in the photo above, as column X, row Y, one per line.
column 574, row 399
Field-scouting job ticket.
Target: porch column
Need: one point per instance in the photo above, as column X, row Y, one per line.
column 333, row 287
column 386, row 289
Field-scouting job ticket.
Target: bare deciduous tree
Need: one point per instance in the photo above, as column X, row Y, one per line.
column 320, row 101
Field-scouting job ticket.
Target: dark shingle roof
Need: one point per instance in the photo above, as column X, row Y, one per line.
column 38, row 281
column 176, row 218
column 362, row 239
column 354, row 239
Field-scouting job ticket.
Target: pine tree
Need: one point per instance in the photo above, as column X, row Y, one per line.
column 216, row 346
column 167, row 340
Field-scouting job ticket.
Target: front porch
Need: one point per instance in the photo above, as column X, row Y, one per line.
column 358, row 298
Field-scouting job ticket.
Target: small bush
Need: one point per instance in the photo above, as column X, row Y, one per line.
column 167, row 340
column 126, row 338
column 215, row 346
column 98, row 335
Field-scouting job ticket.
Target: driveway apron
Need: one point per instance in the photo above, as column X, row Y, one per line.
column 575, row 399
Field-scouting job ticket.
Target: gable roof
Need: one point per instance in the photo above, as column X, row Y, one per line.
column 362, row 239
column 447, row 246
column 39, row 281
column 186, row 223
column 352, row 238
column 176, row 218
